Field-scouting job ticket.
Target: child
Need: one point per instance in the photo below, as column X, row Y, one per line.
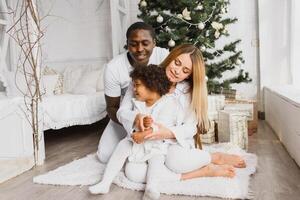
column 151, row 86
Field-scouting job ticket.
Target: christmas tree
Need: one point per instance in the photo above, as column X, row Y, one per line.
column 202, row 23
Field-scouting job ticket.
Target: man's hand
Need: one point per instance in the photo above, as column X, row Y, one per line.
column 138, row 137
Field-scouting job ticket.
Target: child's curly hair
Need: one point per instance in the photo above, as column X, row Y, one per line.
column 153, row 77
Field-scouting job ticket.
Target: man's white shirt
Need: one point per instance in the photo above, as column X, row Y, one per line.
column 116, row 75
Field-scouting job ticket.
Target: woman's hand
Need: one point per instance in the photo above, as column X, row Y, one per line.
column 160, row 134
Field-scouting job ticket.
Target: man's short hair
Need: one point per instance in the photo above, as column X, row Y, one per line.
column 140, row 26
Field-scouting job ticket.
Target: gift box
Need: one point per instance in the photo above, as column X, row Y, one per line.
column 252, row 123
column 232, row 127
column 215, row 103
column 246, row 108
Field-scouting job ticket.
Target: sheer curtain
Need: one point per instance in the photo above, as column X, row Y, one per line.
column 295, row 42
column 4, row 25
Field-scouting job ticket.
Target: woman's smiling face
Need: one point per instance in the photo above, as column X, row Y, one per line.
column 180, row 68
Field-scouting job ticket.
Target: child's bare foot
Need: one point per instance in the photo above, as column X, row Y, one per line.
column 229, row 159
column 213, row 170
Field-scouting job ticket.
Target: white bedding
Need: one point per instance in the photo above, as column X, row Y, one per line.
column 68, row 109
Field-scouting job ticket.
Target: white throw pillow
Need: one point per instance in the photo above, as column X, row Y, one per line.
column 72, row 76
column 87, row 84
column 49, row 83
column 59, row 83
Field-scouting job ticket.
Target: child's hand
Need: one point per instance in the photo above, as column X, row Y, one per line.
column 139, row 121
column 147, row 121
column 138, row 137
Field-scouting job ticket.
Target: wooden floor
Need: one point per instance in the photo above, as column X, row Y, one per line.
column 277, row 177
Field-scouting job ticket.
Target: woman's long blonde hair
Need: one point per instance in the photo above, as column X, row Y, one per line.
column 197, row 83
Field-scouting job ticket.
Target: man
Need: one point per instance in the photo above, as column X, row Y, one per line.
column 141, row 51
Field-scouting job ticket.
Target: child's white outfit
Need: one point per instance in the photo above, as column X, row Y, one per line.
column 165, row 111
column 162, row 112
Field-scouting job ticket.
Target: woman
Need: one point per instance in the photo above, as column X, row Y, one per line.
column 186, row 70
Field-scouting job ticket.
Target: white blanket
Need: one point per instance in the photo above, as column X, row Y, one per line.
column 69, row 109
column 88, row 171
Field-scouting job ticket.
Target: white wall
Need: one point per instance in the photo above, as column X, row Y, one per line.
column 295, row 41
column 134, row 10
column 245, row 29
column 274, row 34
column 77, row 30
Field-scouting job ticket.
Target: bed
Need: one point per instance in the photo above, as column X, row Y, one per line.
column 81, row 100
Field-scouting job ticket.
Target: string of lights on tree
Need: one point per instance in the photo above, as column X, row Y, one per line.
column 202, row 23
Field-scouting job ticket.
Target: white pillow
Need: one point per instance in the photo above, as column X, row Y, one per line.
column 16, row 84
column 59, row 83
column 49, row 83
column 72, row 77
column 87, row 84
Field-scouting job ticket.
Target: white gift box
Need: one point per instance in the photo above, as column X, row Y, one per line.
column 232, row 127
column 215, row 103
column 241, row 107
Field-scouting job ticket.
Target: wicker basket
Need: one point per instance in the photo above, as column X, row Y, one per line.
column 232, row 127
column 209, row 137
column 229, row 93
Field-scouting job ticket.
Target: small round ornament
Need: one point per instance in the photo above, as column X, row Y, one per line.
column 159, row 19
column 201, row 25
column 171, row 43
column 143, row 3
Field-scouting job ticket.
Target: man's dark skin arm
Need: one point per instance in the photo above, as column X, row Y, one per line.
column 112, row 106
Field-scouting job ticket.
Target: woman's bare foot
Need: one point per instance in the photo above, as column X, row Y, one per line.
column 211, row 170
column 229, row 159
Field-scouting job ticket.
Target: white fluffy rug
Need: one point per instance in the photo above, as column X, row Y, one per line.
column 88, row 171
